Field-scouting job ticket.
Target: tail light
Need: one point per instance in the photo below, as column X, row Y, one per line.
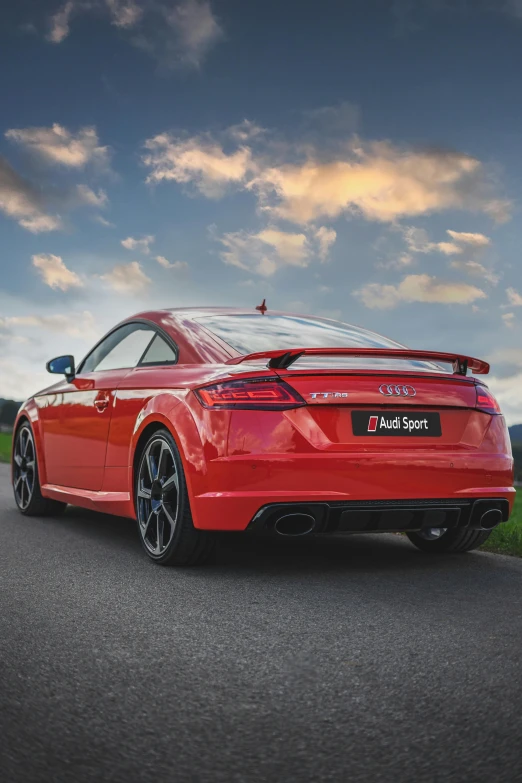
column 485, row 401
column 264, row 394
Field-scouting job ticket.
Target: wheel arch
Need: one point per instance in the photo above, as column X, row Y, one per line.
column 179, row 423
column 28, row 414
column 145, row 434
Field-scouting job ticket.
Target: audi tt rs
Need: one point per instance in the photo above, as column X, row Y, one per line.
column 192, row 421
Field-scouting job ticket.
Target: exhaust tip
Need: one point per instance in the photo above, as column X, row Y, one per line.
column 295, row 524
column 490, row 519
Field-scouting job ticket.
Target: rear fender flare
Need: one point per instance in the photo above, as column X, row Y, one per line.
column 175, row 416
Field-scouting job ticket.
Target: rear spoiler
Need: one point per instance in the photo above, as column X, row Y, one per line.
column 283, row 358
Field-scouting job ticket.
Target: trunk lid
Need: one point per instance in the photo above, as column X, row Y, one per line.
column 341, row 406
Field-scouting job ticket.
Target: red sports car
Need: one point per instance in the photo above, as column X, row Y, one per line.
column 207, row 419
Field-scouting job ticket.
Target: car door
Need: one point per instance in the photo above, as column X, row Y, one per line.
column 155, row 371
column 75, row 418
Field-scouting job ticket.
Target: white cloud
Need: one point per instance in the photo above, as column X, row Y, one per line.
column 59, row 22
column 476, row 269
column 448, row 248
column 271, row 248
column 88, row 197
column 198, row 161
column 246, row 130
column 73, row 324
column 196, row 30
column 125, row 13
column 127, row 278
column 20, row 200
column 514, row 298
column 470, row 245
column 417, row 288
column 57, row 145
column 265, row 251
column 54, row 272
column 141, row 245
column 375, row 180
column 465, row 238
column 378, row 181
column 103, row 221
column 39, row 224
column 166, row 264
column 293, row 249
column 175, row 33
column 509, row 320
column 417, row 241
column 325, row 238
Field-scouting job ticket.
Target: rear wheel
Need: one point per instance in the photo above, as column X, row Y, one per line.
column 440, row 539
column 26, row 482
column 163, row 508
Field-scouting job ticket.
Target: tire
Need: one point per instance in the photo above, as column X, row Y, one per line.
column 163, row 514
column 460, row 540
column 25, row 478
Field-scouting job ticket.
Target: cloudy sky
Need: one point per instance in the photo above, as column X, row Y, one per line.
column 360, row 160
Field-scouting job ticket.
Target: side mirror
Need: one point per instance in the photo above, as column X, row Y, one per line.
column 62, row 365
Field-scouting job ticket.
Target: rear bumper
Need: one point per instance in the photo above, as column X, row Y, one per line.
column 379, row 516
column 239, row 487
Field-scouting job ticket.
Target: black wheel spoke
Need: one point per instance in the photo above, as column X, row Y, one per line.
column 171, row 482
column 24, row 467
column 157, row 496
column 150, row 517
column 151, row 467
column 162, row 460
column 167, row 509
column 159, row 533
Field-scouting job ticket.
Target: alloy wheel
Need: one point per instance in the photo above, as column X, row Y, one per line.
column 24, row 467
column 157, row 496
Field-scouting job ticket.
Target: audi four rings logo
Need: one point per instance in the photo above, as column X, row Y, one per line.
column 391, row 390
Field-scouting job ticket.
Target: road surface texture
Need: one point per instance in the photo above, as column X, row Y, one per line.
column 357, row 659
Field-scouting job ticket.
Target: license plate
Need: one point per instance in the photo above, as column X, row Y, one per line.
column 396, row 423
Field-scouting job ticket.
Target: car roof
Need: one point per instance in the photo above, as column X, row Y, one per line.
column 195, row 342
column 195, row 312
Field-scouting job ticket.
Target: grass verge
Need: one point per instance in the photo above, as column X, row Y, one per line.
column 506, row 539
column 5, row 446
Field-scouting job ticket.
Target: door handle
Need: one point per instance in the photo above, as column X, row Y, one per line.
column 101, row 403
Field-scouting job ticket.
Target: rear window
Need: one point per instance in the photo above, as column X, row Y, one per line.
column 253, row 333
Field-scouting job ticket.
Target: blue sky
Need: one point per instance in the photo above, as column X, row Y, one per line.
column 357, row 160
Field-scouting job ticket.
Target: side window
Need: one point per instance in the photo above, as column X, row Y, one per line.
column 159, row 352
column 123, row 348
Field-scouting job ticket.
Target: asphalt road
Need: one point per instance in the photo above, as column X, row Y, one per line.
column 355, row 659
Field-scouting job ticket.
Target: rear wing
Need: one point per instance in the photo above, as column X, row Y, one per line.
column 283, row 358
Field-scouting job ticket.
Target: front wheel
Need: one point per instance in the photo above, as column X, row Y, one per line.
column 26, row 481
column 163, row 507
column 439, row 540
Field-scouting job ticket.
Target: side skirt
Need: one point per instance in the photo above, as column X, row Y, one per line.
column 118, row 503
